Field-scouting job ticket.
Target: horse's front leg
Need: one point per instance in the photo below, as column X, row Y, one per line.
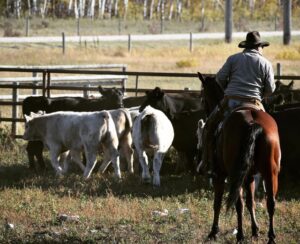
column 219, row 190
column 239, row 206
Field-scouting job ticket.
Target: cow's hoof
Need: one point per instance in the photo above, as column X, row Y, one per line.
column 146, row 180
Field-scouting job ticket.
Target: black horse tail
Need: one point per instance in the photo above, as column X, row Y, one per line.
column 242, row 166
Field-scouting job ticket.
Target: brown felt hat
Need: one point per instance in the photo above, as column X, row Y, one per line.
column 253, row 40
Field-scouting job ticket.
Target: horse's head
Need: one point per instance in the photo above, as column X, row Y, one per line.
column 281, row 87
column 212, row 92
column 286, row 91
column 154, row 98
column 113, row 95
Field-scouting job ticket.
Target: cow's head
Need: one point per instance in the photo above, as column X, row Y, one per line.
column 154, row 98
column 31, row 129
column 113, row 95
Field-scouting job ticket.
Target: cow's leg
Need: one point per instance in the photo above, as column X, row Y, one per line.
column 115, row 158
column 181, row 162
column 35, row 149
column 106, row 160
column 146, row 178
column 54, row 153
column 239, row 206
column 157, row 162
column 91, row 159
column 127, row 152
column 75, row 155
column 65, row 158
column 30, row 153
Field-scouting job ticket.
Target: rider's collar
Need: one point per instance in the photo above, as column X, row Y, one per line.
column 251, row 50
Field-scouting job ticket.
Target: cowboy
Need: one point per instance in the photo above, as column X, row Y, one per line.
column 246, row 78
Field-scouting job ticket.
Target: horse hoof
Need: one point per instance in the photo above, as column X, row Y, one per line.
column 240, row 237
column 212, row 236
column 271, row 241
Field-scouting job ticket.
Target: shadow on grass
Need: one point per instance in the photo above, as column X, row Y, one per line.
column 20, row 176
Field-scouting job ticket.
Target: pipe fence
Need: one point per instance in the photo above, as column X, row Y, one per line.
column 47, row 85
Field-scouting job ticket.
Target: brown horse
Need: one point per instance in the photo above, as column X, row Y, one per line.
column 248, row 144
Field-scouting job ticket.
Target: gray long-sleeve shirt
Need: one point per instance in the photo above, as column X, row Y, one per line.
column 247, row 74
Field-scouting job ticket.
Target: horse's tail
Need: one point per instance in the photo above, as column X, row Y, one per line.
column 243, row 164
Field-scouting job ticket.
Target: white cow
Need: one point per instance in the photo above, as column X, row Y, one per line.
column 123, row 125
column 152, row 130
column 76, row 131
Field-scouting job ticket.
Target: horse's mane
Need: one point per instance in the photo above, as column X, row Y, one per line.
column 213, row 92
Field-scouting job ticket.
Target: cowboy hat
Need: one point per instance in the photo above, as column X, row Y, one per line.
column 253, row 40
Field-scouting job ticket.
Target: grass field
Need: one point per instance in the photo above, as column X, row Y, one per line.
column 123, row 212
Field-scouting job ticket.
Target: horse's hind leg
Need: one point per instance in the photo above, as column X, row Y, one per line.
column 219, row 190
column 239, row 206
column 250, row 203
column 271, row 187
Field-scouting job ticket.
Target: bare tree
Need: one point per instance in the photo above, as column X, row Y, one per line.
column 116, row 9
column 171, row 9
column 179, row 9
column 43, row 8
column 102, row 4
column 91, row 8
column 125, row 8
column 287, row 21
column 145, row 9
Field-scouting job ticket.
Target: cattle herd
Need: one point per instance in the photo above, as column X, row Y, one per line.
column 76, row 129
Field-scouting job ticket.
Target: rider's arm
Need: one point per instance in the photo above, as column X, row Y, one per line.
column 222, row 76
column 269, row 81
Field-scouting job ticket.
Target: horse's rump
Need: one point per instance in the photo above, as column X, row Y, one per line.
column 250, row 144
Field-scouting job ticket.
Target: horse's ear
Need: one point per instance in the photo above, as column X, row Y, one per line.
column 201, row 77
column 158, row 92
column 291, row 85
column 100, row 89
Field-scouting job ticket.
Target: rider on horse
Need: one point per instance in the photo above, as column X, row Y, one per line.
column 246, row 78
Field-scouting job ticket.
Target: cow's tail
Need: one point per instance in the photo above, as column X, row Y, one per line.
column 147, row 127
column 128, row 123
column 242, row 166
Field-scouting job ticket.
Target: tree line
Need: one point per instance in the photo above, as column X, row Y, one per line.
column 198, row 10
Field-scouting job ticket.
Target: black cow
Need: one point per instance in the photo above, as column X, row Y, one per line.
column 112, row 98
column 184, row 111
column 288, row 122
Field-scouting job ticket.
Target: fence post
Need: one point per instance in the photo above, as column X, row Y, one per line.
column 63, row 42
column 86, row 92
column 162, row 16
column 278, row 71
column 124, row 85
column 44, row 83
column 34, row 91
column 191, row 42
column 27, row 26
column 48, row 83
column 78, row 27
column 136, row 84
column 15, row 96
column 129, row 42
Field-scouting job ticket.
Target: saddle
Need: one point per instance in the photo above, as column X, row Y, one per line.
column 246, row 106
